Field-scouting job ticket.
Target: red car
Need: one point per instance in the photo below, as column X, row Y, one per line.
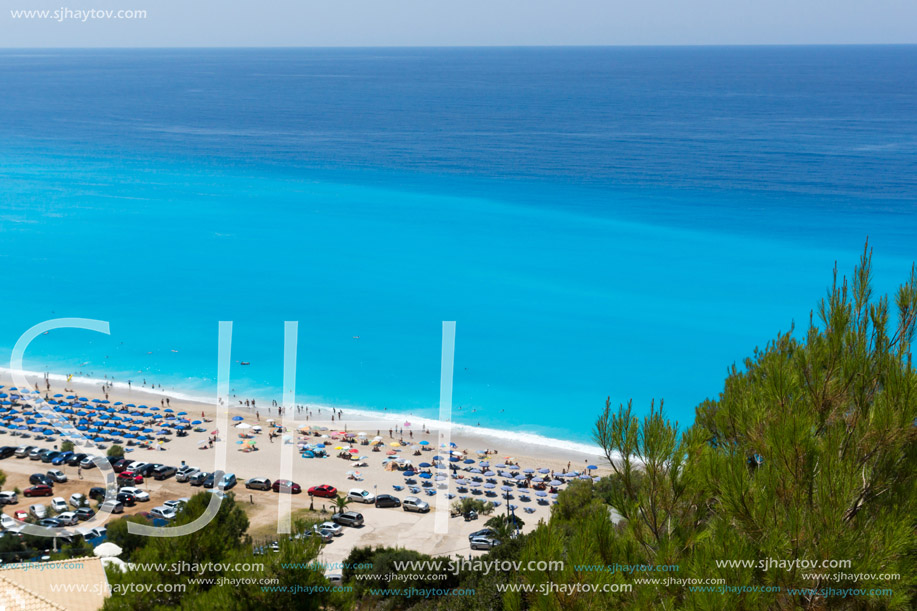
column 20, row 515
column 130, row 476
column 40, row 490
column 285, row 485
column 329, row 492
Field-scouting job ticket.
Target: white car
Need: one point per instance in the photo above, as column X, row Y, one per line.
column 57, row 475
column 78, row 500
column 7, row 522
column 335, row 529
column 8, row 497
column 39, row 511
column 68, row 518
column 361, row 496
column 137, row 493
column 58, row 504
column 177, row 504
column 412, row 503
column 163, row 512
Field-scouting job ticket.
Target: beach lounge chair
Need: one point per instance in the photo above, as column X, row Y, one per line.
column 529, row 509
column 397, row 487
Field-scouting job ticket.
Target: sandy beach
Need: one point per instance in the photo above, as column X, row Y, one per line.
column 384, row 526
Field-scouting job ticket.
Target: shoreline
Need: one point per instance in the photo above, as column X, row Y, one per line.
column 523, row 443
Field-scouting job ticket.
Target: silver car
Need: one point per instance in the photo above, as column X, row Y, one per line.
column 412, row 503
column 484, row 543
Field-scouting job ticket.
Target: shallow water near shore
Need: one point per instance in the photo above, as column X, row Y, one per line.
column 155, row 191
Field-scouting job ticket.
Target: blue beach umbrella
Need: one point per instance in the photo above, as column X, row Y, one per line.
column 237, row 418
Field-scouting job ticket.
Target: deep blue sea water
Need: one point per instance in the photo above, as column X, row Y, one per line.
column 623, row 222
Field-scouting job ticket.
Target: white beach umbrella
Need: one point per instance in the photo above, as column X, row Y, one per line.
column 243, row 425
column 107, row 550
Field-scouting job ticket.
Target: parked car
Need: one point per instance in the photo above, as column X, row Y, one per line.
column 387, row 500
column 335, row 529
column 35, row 453
column 40, row 478
column 138, row 494
column 412, row 503
column 228, row 481
column 76, row 459
column 97, row 493
column 8, row 497
column 88, row 462
column 126, row 499
column 348, row 518
column 146, row 470
column 164, row 472
column 198, row 478
column 77, row 499
column 484, row 532
column 183, row 473
column 258, row 483
column 39, row 490
column 20, row 515
column 7, row 451
column 208, row 481
column 113, row 506
column 286, row 486
column 50, row 523
column 163, row 513
column 129, row 477
column 484, row 543
column 177, row 504
column 39, row 511
column 325, row 535
column 361, row 496
column 326, row 491
column 120, row 465
column 58, row 504
column 56, row 475
column 49, row 456
column 68, row 518
column 62, row 458
column 84, row 513
column 7, row 522
column 23, row 451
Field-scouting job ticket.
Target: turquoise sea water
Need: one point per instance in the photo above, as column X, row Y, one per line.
column 598, row 222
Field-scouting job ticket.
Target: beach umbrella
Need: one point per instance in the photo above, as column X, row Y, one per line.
column 237, row 418
column 541, row 493
column 501, row 467
column 544, row 470
column 395, row 444
column 584, row 476
column 491, row 486
column 468, row 461
column 354, row 451
column 243, row 425
column 425, row 465
column 58, row 396
column 196, row 422
column 520, row 477
column 424, row 443
column 489, row 473
column 507, row 488
column 538, row 480
column 591, row 467
column 107, row 550
column 528, row 470
column 556, row 482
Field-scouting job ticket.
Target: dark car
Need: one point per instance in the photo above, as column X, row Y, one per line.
column 76, row 459
column 120, row 465
column 164, row 472
column 198, row 478
column 7, row 451
column 39, row 490
column 113, row 459
column 127, row 499
column 50, row 523
column 285, row 485
column 84, row 513
column 97, row 493
column 387, row 500
column 40, row 478
column 49, row 456
column 62, row 458
column 348, row 518
column 208, row 481
column 258, row 483
column 329, row 492
column 147, row 470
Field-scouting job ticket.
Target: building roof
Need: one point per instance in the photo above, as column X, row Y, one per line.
column 79, row 584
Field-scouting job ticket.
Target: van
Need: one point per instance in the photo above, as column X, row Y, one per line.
column 228, row 481
column 112, row 506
